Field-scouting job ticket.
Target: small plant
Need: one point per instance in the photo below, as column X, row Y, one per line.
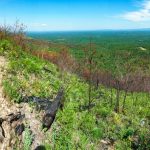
column 27, row 141
column 97, row 133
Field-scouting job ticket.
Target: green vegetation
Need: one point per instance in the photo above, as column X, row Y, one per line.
column 124, row 47
column 77, row 127
column 27, row 139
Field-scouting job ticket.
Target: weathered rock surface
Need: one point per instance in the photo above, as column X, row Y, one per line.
column 19, row 129
column 9, row 114
column 14, row 118
column 2, row 134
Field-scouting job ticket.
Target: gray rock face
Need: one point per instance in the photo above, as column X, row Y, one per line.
column 2, row 134
column 19, row 129
column 15, row 117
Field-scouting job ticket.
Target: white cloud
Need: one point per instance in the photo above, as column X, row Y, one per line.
column 38, row 25
column 44, row 25
column 143, row 14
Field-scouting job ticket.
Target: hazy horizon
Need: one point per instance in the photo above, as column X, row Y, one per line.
column 91, row 30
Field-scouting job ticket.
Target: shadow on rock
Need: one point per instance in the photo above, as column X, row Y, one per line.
column 40, row 103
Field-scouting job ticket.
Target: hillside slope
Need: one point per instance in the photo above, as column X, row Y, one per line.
column 77, row 125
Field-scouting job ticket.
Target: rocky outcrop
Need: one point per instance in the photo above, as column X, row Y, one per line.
column 50, row 113
column 11, row 118
column 15, row 118
column 49, row 108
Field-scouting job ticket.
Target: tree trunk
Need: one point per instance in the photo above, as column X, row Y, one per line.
column 124, row 100
column 111, row 98
column 117, row 98
column 90, row 89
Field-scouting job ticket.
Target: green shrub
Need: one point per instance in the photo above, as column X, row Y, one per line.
column 5, row 46
column 11, row 90
column 103, row 112
column 97, row 133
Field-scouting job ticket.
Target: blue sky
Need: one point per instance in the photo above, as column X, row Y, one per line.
column 54, row 15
